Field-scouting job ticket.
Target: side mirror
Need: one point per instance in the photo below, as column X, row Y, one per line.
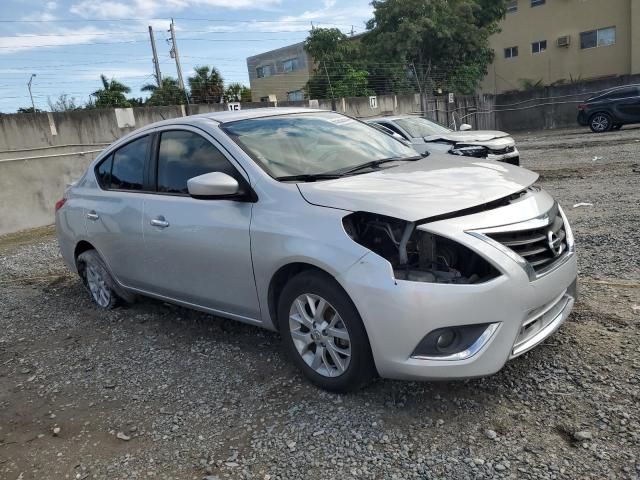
column 213, row 185
column 464, row 127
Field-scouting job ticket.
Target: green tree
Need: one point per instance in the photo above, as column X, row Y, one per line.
column 446, row 41
column 236, row 92
column 339, row 68
column 28, row 110
column 168, row 93
column 112, row 94
column 64, row 103
column 207, row 85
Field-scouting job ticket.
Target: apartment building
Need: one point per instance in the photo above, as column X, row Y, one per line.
column 550, row 41
column 280, row 74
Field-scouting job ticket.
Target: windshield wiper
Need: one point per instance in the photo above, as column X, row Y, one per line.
column 377, row 163
column 309, row 177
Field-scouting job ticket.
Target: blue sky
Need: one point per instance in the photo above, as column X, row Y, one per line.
column 69, row 43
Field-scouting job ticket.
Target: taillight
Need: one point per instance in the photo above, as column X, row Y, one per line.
column 60, row 203
column 582, row 106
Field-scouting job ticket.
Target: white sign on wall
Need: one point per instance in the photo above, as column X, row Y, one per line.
column 373, row 102
column 234, row 106
column 451, row 98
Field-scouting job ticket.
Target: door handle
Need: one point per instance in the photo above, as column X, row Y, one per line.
column 92, row 215
column 159, row 222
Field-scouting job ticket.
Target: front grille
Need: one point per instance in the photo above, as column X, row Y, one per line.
column 541, row 247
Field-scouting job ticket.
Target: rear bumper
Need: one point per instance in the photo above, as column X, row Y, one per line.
column 583, row 119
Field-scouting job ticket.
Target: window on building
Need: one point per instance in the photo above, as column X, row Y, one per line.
column 539, row 47
column 290, row 65
column 184, row 155
column 510, row 52
column 295, row 95
column 264, row 99
column 264, row 71
column 512, row 6
column 127, row 171
column 598, row 38
column 537, row 3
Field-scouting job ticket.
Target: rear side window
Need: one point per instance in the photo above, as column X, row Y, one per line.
column 184, row 155
column 103, row 172
column 622, row 93
column 124, row 169
column 127, row 172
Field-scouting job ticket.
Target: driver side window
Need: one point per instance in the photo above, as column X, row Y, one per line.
column 183, row 155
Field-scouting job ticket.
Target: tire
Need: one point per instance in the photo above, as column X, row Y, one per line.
column 600, row 122
column 319, row 350
column 98, row 281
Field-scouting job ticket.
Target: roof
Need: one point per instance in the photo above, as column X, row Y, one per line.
column 232, row 116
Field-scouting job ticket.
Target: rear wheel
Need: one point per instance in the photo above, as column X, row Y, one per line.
column 600, row 122
column 97, row 280
column 323, row 334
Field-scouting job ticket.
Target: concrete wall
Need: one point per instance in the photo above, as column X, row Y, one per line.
column 549, row 107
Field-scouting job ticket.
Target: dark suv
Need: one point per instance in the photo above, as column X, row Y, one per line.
column 612, row 109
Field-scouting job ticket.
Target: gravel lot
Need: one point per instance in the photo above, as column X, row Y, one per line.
column 156, row 391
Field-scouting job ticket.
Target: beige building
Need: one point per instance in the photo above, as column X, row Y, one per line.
column 279, row 75
column 557, row 40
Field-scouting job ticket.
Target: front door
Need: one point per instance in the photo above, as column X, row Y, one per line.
column 197, row 251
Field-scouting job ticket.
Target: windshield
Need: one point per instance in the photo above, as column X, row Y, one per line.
column 419, row 127
column 313, row 143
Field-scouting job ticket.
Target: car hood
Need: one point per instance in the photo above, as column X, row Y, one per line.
column 412, row 191
column 468, row 136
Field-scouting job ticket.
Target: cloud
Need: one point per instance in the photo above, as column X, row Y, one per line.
column 51, row 5
column 99, row 9
column 56, row 38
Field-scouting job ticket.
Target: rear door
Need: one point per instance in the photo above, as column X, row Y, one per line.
column 114, row 210
column 624, row 104
column 197, row 251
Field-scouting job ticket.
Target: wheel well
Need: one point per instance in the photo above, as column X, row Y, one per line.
column 280, row 279
column 81, row 247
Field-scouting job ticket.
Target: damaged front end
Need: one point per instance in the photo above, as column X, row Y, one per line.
column 417, row 255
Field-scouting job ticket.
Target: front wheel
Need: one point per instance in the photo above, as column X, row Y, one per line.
column 601, row 122
column 323, row 333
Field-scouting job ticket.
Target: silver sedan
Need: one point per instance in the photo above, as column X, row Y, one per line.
column 367, row 258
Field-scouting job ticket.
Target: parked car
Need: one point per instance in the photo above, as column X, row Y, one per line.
column 611, row 110
column 367, row 258
column 427, row 136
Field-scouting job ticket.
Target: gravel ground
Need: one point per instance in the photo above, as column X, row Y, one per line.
column 156, row 391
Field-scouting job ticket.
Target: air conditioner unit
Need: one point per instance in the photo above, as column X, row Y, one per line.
column 564, row 41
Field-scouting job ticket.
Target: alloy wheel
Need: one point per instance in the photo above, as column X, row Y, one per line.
column 600, row 123
column 320, row 335
column 98, row 287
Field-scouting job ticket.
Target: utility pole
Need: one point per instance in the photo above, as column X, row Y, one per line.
column 33, row 105
column 156, row 64
column 176, row 56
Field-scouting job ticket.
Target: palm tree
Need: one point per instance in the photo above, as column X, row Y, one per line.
column 112, row 94
column 168, row 93
column 236, row 92
column 207, row 85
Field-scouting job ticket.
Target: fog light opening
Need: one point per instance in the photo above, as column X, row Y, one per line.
column 446, row 339
column 454, row 343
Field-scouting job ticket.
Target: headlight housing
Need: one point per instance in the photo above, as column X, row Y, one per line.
column 416, row 255
column 476, row 151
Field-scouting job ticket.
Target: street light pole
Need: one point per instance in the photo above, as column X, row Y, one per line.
column 33, row 105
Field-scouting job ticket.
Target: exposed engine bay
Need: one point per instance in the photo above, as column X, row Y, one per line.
column 416, row 255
